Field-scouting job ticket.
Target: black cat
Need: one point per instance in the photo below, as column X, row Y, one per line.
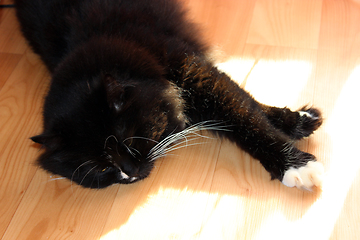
column 130, row 80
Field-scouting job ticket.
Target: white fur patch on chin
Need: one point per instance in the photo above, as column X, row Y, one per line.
column 124, row 175
column 305, row 177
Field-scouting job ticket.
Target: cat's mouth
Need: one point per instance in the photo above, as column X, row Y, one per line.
column 122, row 175
column 137, row 174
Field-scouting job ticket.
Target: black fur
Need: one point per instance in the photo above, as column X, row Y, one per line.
column 127, row 74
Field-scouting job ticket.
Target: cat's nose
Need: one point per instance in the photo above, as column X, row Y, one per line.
column 128, row 166
column 130, row 169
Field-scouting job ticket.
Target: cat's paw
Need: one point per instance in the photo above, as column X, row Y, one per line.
column 308, row 121
column 304, row 177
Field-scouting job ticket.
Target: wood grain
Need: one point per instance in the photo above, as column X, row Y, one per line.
column 285, row 53
column 227, row 34
column 19, row 115
column 6, row 2
column 7, row 64
column 11, row 40
column 288, row 23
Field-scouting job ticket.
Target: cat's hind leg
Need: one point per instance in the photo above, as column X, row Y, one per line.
column 295, row 124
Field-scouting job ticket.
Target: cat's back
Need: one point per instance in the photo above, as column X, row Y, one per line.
column 56, row 27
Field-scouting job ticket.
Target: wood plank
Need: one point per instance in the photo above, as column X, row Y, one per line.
column 339, row 25
column 338, row 86
column 348, row 223
column 8, row 63
column 225, row 23
column 6, row 1
column 288, row 23
column 336, row 90
column 20, row 118
column 56, row 209
column 10, row 36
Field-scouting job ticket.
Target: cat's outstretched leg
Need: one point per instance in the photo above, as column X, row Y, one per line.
column 296, row 125
column 212, row 95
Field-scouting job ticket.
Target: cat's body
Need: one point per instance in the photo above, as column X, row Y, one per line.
column 130, row 79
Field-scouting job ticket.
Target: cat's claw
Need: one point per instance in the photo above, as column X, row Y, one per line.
column 305, row 177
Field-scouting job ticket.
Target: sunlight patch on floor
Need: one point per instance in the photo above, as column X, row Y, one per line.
column 237, row 68
column 278, row 83
column 342, row 126
column 319, row 220
column 275, row 83
column 175, row 213
column 156, row 216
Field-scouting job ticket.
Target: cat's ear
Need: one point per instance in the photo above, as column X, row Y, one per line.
column 116, row 93
column 49, row 141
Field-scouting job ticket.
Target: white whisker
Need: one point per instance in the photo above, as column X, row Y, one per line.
column 161, row 150
column 55, row 179
column 111, row 136
column 78, row 168
column 166, row 152
column 134, row 149
column 129, row 150
column 170, row 143
column 87, row 174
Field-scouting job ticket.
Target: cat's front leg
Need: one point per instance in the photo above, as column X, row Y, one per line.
column 212, row 95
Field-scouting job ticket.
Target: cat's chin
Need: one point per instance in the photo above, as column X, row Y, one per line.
column 129, row 180
column 126, row 179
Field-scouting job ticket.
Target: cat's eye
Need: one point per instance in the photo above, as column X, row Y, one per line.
column 104, row 169
column 131, row 141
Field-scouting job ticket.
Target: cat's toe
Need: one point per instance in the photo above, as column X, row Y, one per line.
column 309, row 120
column 305, row 177
column 311, row 113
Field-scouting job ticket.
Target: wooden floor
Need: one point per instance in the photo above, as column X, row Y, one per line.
column 285, row 52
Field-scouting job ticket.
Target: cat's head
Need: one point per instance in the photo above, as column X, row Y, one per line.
column 103, row 127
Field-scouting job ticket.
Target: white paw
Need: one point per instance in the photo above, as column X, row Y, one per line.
column 305, row 177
